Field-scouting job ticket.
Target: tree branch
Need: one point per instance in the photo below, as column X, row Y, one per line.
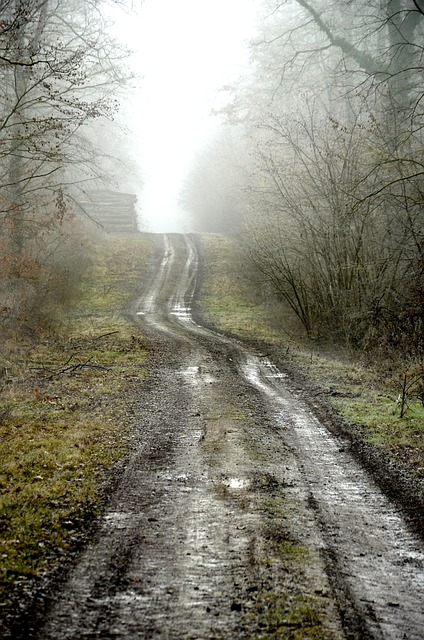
column 364, row 60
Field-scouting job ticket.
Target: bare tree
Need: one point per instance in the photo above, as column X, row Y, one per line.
column 346, row 263
column 59, row 71
column 334, row 113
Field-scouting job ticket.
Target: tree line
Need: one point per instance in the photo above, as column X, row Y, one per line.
column 326, row 149
column 61, row 74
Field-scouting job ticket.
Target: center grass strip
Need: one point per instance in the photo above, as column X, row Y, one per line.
column 65, row 419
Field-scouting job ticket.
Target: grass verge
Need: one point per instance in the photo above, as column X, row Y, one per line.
column 364, row 394
column 64, row 420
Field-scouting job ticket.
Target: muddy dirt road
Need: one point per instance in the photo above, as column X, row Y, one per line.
column 238, row 514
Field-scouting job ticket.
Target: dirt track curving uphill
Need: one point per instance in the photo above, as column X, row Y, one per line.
column 238, row 515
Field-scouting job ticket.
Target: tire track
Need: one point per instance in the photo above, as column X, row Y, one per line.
column 185, row 548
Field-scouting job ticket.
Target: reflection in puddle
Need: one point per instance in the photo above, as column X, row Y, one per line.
column 181, row 312
column 191, row 372
column 271, row 370
column 118, row 519
column 236, row 483
column 196, row 374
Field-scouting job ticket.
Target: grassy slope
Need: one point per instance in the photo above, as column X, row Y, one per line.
column 360, row 393
column 57, row 442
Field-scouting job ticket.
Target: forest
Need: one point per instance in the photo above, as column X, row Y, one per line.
column 318, row 169
column 214, row 430
column 62, row 77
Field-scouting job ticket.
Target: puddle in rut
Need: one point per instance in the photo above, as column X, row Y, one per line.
column 271, row 370
column 181, row 312
column 196, row 375
column 118, row 519
column 236, row 483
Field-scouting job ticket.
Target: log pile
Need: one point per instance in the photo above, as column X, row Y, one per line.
column 113, row 210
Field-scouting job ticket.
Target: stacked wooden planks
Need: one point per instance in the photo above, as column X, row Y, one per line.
column 113, row 210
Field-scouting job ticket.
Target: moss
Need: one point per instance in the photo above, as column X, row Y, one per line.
column 286, row 617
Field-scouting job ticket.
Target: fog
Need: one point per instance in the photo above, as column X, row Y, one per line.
column 185, row 53
column 322, row 178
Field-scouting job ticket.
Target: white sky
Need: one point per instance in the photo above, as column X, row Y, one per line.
column 185, row 50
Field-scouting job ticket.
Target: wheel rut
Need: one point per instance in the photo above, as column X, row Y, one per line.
column 238, row 515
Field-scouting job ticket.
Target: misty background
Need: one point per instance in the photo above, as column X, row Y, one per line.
column 294, row 126
column 184, row 54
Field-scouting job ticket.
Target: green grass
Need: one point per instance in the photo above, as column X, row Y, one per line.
column 227, row 299
column 118, row 269
column 401, row 438
column 364, row 394
column 284, row 617
column 57, row 443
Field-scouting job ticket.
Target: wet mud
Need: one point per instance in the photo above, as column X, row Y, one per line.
column 238, row 514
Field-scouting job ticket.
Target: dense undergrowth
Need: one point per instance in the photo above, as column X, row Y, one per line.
column 63, row 418
column 366, row 389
